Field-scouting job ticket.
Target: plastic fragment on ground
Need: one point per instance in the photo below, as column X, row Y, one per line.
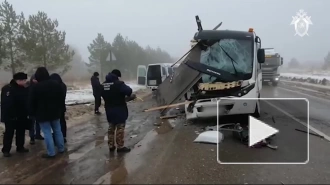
column 210, row 137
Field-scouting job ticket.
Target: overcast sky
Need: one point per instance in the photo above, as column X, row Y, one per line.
column 170, row 24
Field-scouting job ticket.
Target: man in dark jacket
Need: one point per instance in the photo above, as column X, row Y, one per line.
column 115, row 95
column 14, row 113
column 34, row 132
column 59, row 80
column 46, row 104
column 96, row 91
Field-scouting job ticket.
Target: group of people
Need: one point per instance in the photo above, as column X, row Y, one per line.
column 115, row 94
column 39, row 106
column 35, row 105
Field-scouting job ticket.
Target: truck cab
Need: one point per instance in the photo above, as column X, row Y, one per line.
column 270, row 69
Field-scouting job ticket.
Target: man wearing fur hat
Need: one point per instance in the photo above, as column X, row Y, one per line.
column 14, row 113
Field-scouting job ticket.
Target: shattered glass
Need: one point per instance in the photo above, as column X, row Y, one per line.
column 240, row 50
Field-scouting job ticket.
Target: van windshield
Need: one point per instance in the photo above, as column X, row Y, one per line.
column 241, row 51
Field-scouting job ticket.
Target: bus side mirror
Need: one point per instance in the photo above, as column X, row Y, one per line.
column 281, row 60
column 261, row 56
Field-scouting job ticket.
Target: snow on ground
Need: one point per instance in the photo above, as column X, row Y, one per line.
column 305, row 76
column 86, row 95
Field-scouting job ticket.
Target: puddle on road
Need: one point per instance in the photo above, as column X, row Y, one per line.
column 75, row 156
column 84, row 150
column 136, row 158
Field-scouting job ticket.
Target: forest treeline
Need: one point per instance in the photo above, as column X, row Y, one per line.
column 35, row 40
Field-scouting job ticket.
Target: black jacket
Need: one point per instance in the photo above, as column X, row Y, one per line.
column 97, row 87
column 46, row 99
column 114, row 94
column 59, row 80
column 14, row 100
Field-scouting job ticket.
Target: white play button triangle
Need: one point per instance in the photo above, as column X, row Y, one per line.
column 259, row 131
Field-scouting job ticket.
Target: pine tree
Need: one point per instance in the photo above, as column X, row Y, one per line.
column 99, row 51
column 45, row 45
column 326, row 64
column 10, row 29
column 294, row 63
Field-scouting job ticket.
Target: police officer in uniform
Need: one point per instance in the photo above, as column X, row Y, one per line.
column 14, row 113
column 115, row 94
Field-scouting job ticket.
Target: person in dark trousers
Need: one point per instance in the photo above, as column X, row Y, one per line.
column 115, row 93
column 46, row 104
column 58, row 79
column 95, row 82
column 34, row 132
column 14, row 113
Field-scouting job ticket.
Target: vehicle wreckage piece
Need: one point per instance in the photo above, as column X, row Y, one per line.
column 211, row 137
column 184, row 78
column 242, row 134
column 218, row 86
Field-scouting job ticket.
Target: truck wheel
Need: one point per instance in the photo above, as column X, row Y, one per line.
column 274, row 84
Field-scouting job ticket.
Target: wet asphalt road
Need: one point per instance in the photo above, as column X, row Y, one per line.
column 167, row 154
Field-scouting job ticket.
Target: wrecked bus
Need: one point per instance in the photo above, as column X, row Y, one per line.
column 235, row 58
column 220, row 64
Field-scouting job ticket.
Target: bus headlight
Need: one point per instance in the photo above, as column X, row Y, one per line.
column 276, row 79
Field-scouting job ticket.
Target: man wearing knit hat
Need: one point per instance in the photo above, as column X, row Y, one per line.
column 115, row 94
column 14, row 113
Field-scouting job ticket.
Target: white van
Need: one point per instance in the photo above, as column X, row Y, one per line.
column 154, row 74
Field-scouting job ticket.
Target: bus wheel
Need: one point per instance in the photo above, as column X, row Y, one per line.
column 256, row 113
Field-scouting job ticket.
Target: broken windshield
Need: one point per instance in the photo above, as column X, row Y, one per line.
column 239, row 50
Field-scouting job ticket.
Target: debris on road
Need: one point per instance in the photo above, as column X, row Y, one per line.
column 211, row 128
column 310, row 133
column 157, row 124
column 264, row 143
column 212, row 137
column 167, row 106
column 273, row 119
column 133, row 136
column 272, row 147
column 171, row 116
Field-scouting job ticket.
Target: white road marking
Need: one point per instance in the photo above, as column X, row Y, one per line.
column 299, row 121
column 321, row 99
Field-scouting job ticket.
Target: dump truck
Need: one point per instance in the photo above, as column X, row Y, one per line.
column 221, row 68
column 270, row 69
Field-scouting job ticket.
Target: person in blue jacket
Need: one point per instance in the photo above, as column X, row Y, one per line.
column 115, row 93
